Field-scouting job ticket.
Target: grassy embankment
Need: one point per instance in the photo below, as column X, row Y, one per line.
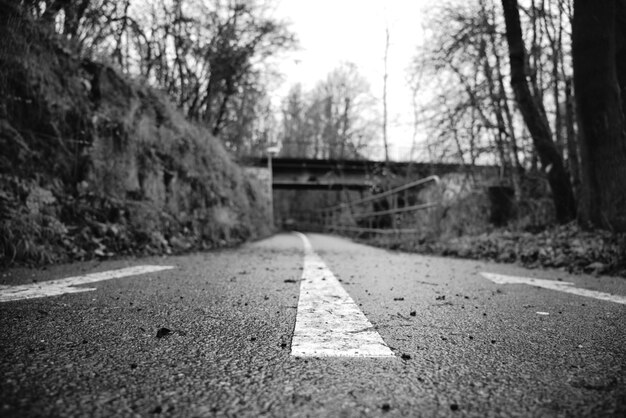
column 96, row 165
column 461, row 228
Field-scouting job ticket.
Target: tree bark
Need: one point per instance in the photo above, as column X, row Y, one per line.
column 535, row 119
column 573, row 158
column 510, row 128
column 599, row 55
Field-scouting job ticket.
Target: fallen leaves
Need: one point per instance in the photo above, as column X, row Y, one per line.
column 565, row 246
column 166, row 332
column 163, row 332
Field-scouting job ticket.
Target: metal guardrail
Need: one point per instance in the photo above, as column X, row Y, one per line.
column 380, row 218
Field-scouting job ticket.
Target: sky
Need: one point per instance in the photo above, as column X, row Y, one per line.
column 334, row 31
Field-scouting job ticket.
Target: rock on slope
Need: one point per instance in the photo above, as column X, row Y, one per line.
column 93, row 164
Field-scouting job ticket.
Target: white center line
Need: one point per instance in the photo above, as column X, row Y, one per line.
column 554, row 285
column 328, row 322
column 63, row 286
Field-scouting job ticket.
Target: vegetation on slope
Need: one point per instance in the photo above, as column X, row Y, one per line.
column 94, row 164
column 565, row 247
column 463, row 227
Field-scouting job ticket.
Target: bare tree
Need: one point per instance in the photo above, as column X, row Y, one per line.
column 205, row 54
column 531, row 107
column 385, row 77
column 465, row 60
column 337, row 119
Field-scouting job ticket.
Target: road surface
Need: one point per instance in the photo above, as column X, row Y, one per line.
column 310, row 326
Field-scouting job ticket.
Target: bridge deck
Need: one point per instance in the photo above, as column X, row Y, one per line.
column 302, row 173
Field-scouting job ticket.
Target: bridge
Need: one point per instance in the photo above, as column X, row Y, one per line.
column 311, row 174
column 360, row 195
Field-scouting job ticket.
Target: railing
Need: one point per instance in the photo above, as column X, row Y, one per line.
column 388, row 212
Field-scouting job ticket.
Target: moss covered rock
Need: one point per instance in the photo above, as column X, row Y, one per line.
column 94, row 164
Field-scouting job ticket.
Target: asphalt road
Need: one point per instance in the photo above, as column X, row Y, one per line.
column 462, row 345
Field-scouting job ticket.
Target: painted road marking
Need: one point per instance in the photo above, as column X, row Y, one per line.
column 63, row 286
column 554, row 285
column 328, row 322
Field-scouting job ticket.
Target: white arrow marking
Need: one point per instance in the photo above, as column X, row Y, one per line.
column 62, row 286
column 554, row 285
column 328, row 322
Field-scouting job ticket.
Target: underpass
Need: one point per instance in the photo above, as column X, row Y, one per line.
column 321, row 195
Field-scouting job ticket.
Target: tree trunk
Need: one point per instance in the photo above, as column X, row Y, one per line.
column 599, row 54
column 510, row 128
column 345, row 123
column 572, row 142
column 536, row 120
column 385, row 76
